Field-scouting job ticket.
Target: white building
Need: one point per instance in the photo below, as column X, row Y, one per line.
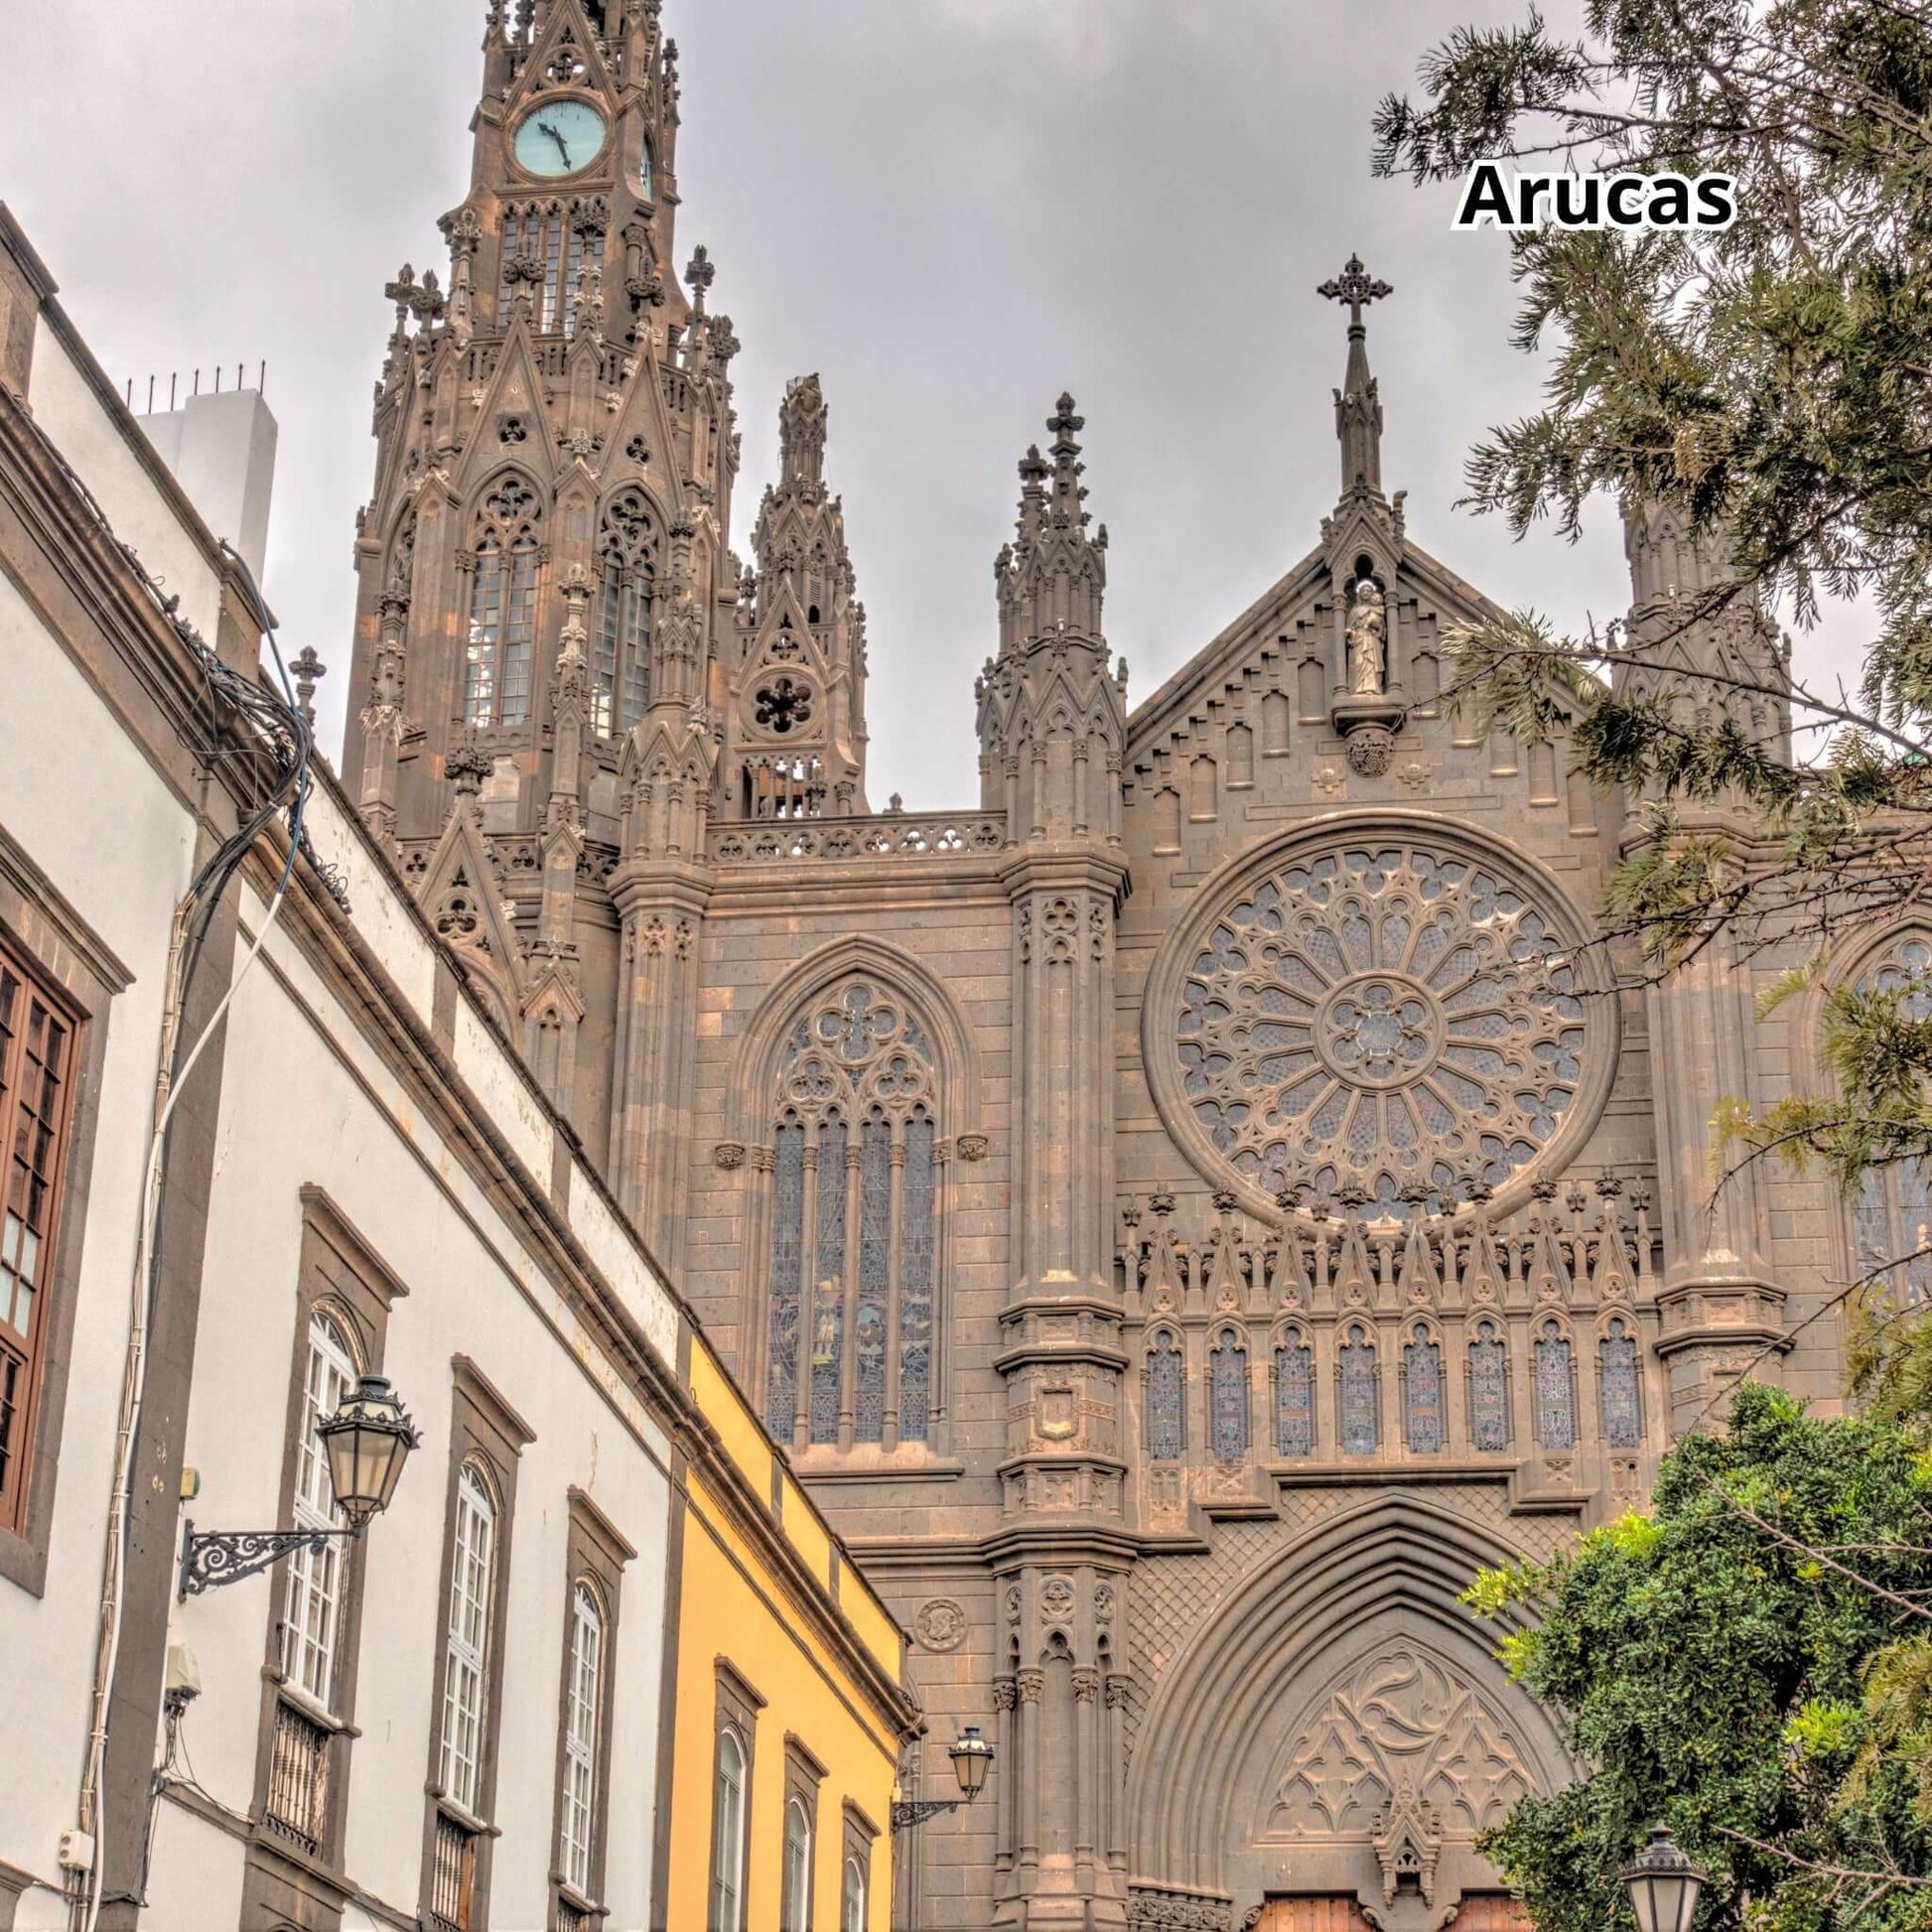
column 360, row 1178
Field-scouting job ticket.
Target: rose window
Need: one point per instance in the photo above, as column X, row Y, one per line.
column 1393, row 1018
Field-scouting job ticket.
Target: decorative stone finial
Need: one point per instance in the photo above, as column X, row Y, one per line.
column 308, row 670
column 1358, row 409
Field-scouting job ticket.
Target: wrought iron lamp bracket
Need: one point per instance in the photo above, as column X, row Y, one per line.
column 909, row 1812
column 212, row 1558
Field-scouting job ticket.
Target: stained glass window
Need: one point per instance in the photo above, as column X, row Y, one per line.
column 875, row 1258
column 788, row 1255
column 916, row 1283
column 1166, row 1432
column 857, row 1055
column 1422, row 1393
column 1489, row 1389
column 1361, row 1418
column 828, row 1271
column 1293, row 1398
column 1556, row 1390
column 1622, row 1394
column 1227, row 1394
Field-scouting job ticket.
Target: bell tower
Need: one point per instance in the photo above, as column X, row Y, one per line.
column 543, row 569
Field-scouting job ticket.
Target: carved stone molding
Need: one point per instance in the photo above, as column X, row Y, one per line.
column 940, row 1624
column 1179, row 1911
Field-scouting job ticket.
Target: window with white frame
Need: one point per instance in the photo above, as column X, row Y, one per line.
column 473, row 1565
column 314, row 1578
column 851, row 1916
column 728, row 1837
column 795, row 1914
column 582, row 1704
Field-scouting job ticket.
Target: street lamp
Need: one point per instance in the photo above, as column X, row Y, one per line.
column 365, row 1443
column 1664, row 1885
column 972, row 1758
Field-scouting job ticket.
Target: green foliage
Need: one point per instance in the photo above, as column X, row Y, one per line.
column 1772, row 384
column 1721, row 1675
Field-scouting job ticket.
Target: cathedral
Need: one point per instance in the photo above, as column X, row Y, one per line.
column 1182, row 1214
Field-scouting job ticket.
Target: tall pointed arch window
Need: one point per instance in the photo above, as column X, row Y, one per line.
column 1293, row 1396
column 1892, row 1222
column 1488, row 1387
column 1359, row 1400
column 1619, row 1389
column 502, row 607
column 855, row 1187
column 1227, row 1396
column 1423, row 1421
column 1556, row 1388
column 1166, row 1381
column 621, row 636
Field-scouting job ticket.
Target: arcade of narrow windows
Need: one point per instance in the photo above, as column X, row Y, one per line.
column 545, row 237
column 1404, row 1408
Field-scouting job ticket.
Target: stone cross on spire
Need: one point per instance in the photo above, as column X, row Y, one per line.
column 1355, row 286
column 1358, row 409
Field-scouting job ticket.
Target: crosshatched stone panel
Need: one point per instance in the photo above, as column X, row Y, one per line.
column 1391, row 1007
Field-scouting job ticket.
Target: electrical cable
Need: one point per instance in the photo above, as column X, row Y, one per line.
column 282, row 732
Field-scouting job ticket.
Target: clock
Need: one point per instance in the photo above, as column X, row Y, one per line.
column 559, row 137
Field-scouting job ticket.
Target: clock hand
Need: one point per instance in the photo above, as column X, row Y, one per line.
column 544, row 127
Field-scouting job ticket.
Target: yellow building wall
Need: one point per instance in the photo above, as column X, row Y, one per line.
column 732, row 1611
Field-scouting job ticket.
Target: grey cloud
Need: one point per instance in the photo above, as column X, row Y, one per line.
column 951, row 209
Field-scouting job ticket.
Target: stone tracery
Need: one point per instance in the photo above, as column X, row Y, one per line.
column 849, row 1305
column 1397, row 1016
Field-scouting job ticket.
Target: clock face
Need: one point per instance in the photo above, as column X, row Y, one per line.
column 560, row 137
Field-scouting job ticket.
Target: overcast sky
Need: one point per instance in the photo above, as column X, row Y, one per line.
column 952, row 209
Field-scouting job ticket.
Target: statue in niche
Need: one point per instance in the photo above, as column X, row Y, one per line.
column 1366, row 625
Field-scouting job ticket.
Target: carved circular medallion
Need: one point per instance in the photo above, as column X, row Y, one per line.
column 939, row 1625
column 1056, row 1599
column 1393, row 1008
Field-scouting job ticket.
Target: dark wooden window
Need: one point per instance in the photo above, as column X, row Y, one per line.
column 37, row 1057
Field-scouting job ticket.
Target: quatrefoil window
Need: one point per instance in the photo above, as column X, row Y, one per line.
column 1395, row 1016
column 783, row 705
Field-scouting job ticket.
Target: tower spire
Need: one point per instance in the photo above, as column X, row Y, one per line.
column 1358, row 408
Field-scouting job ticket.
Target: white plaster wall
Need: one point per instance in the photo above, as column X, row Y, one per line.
column 308, row 1101
column 407, row 953
column 95, row 446
column 119, row 847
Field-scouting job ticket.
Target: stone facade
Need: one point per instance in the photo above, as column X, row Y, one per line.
column 1186, row 1212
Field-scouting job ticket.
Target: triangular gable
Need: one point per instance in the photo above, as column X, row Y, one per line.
column 1218, row 665
column 644, row 424
column 516, row 392
column 565, row 56
column 461, row 894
